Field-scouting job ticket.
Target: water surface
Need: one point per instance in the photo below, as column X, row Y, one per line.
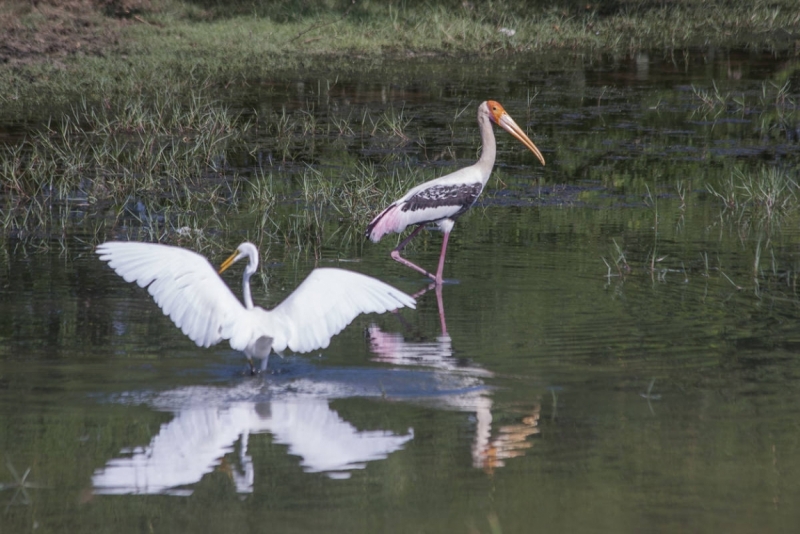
column 543, row 390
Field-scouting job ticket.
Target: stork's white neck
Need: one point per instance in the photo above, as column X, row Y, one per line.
column 488, row 146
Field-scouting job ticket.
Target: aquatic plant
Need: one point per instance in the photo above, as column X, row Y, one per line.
column 766, row 194
column 619, row 261
column 777, row 107
column 394, row 123
column 711, row 101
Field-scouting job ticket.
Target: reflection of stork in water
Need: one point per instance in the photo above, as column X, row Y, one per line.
column 511, row 442
column 392, row 348
column 437, row 288
column 487, row 453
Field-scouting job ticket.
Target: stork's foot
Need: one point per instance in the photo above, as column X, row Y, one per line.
column 437, row 278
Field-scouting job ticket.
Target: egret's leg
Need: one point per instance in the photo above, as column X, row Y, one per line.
column 398, row 258
column 438, row 277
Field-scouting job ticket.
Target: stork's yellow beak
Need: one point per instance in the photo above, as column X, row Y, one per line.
column 504, row 120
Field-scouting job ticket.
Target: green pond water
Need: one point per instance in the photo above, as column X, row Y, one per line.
column 612, row 350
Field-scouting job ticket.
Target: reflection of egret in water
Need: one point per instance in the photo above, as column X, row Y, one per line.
column 649, row 395
column 488, row 453
column 207, row 425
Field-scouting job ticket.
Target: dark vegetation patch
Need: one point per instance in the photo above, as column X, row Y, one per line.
column 47, row 30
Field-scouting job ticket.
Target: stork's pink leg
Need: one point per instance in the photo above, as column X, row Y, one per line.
column 438, row 279
column 440, row 305
column 396, row 254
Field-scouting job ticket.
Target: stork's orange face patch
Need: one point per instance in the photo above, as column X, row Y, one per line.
column 496, row 110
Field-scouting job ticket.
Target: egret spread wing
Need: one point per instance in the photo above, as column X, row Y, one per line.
column 184, row 285
column 326, row 302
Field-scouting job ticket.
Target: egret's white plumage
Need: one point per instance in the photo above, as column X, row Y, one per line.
column 443, row 200
column 188, row 289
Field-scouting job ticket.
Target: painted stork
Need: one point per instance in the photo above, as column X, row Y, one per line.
column 443, row 200
column 188, row 289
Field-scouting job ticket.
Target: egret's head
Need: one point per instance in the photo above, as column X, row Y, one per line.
column 245, row 250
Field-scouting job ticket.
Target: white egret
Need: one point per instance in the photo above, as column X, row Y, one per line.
column 445, row 199
column 188, row 289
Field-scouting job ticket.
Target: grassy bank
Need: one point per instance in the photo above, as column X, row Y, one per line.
column 124, row 47
column 167, row 167
column 122, row 103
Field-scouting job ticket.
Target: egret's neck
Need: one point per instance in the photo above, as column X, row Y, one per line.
column 248, row 298
column 488, row 148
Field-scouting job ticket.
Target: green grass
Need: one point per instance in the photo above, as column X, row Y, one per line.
column 189, row 45
column 138, row 136
column 371, row 26
column 145, row 150
column 166, row 168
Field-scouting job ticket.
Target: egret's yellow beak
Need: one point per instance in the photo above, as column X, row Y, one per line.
column 230, row 261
